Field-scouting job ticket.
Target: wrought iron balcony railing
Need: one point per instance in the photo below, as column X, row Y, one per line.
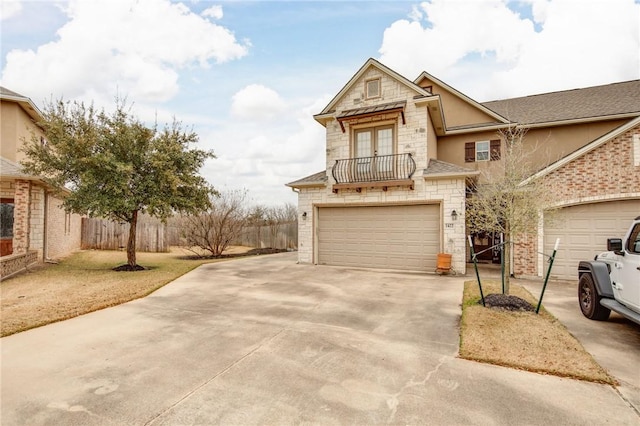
column 374, row 169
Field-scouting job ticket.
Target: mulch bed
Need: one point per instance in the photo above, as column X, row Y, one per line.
column 507, row 302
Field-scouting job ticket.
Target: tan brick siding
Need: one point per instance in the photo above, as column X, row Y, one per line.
column 607, row 172
column 64, row 231
column 608, row 169
column 31, row 221
column 21, row 217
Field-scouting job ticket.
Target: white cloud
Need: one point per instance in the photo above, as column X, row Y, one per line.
column 488, row 51
column 10, row 8
column 214, row 12
column 263, row 158
column 256, row 102
column 133, row 47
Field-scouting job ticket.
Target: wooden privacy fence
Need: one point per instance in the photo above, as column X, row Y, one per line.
column 100, row 234
column 281, row 236
column 154, row 236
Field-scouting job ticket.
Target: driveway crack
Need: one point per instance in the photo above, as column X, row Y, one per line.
column 215, row 376
column 393, row 402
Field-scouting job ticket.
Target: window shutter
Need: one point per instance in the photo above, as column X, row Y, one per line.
column 495, row 149
column 469, row 152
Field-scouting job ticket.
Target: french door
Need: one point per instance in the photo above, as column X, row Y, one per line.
column 373, row 150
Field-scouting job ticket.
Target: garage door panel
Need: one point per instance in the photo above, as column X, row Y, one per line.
column 394, row 237
column 583, row 231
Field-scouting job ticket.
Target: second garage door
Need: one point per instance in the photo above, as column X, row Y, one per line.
column 393, row 237
column 583, row 231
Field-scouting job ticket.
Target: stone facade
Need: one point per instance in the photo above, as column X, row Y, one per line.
column 410, row 138
column 582, row 158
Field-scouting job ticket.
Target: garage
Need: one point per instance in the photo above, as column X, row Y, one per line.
column 391, row 237
column 583, row 231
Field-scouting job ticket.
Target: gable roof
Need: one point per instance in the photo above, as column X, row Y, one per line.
column 26, row 103
column 609, row 100
column 382, row 68
column 585, row 149
column 462, row 96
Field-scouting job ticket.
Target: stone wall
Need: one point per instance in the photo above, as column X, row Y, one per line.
column 449, row 193
column 14, row 263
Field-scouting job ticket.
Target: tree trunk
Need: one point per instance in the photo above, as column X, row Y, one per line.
column 131, row 244
column 507, row 260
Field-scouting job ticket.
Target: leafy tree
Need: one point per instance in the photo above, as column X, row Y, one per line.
column 506, row 200
column 215, row 229
column 116, row 167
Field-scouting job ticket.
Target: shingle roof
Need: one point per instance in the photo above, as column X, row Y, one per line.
column 591, row 102
column 7, row 92
column 10, row 169
column 442, row 169
column 319, row 178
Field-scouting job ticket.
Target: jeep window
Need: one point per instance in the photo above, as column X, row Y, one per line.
column 633, row 244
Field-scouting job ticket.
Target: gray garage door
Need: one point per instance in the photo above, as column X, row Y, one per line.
column 393, row 237
column 583, row 231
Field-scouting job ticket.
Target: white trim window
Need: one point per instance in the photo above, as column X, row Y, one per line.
column 482, row 151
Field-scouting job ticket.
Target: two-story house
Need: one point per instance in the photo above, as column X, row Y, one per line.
column 401, row 154
column 34, row 227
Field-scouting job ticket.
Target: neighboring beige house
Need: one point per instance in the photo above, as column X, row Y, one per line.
column 400, row 155
column 34, row 227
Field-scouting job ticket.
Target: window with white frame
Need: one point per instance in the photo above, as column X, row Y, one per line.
column 482, row 151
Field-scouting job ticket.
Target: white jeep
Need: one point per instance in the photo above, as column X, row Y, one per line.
column 611, row 282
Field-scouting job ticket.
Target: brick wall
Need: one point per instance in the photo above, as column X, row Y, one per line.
column 608, row 169
column 31, row 221
column 36, row 222
column 64, row 230
column 607, row 172
column 21, row 219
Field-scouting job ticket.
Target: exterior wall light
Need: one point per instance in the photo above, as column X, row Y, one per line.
column 454, row 215
column 304, row 216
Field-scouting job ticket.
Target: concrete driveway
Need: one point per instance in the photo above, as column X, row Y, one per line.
column 614, row 344
column 265, row 341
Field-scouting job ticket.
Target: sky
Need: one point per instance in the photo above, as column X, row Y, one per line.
column 248, row 77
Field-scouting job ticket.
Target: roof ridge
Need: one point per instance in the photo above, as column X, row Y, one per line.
column 562, row 91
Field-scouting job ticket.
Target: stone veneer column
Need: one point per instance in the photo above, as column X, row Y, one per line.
column 21, row 225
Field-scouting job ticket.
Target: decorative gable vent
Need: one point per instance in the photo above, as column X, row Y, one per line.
column 373, row 88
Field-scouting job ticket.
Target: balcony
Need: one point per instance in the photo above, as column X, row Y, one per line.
column 380, row 171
